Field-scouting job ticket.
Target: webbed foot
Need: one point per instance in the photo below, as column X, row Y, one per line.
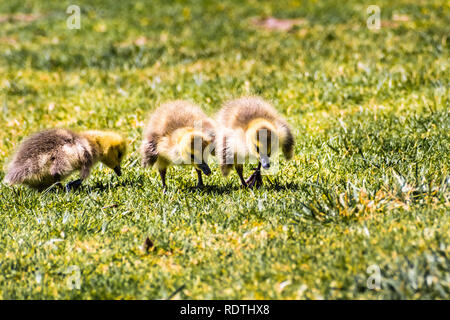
column 73, row 185
column 255, row 180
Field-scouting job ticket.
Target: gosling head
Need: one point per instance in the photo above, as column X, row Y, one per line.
column 112, row 148
column 195, row 150
column 261, row 140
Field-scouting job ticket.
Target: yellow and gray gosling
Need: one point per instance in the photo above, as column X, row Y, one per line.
column 179, row 133
column 250, row 128
column 50, row 156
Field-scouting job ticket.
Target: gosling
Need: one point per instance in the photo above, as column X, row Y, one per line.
column 48, row 157
column 179, row 133
column 251, row 129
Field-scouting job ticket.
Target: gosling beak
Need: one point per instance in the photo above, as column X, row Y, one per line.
column 118, row 171
column 265, row 162
column 205, row 168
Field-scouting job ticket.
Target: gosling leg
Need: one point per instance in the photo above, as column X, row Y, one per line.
column 162, row 173
column 84, row 173
column 240, row 169
column 256, row 178
column 57, row 178
column 200, row 179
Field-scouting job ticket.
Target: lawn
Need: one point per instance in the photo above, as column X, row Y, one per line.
column 366, row 194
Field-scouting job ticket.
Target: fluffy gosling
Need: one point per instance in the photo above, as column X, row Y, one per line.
column 250, row 129
column 178, row 132
column 50, row 156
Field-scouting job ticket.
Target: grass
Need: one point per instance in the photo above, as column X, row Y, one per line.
column 368, row 185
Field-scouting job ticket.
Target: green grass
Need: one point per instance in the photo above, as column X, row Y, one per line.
column 368, row 185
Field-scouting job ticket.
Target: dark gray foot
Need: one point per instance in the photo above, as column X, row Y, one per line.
column 74, row 185
column 255, row 180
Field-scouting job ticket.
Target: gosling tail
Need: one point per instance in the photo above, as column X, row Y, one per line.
column 16, row 175
column 149, row 152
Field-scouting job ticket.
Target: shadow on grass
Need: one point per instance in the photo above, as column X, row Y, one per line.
column 233, row 186
column 133, row 183
column 277, row 186
column 212, row 189
column 140, row 182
